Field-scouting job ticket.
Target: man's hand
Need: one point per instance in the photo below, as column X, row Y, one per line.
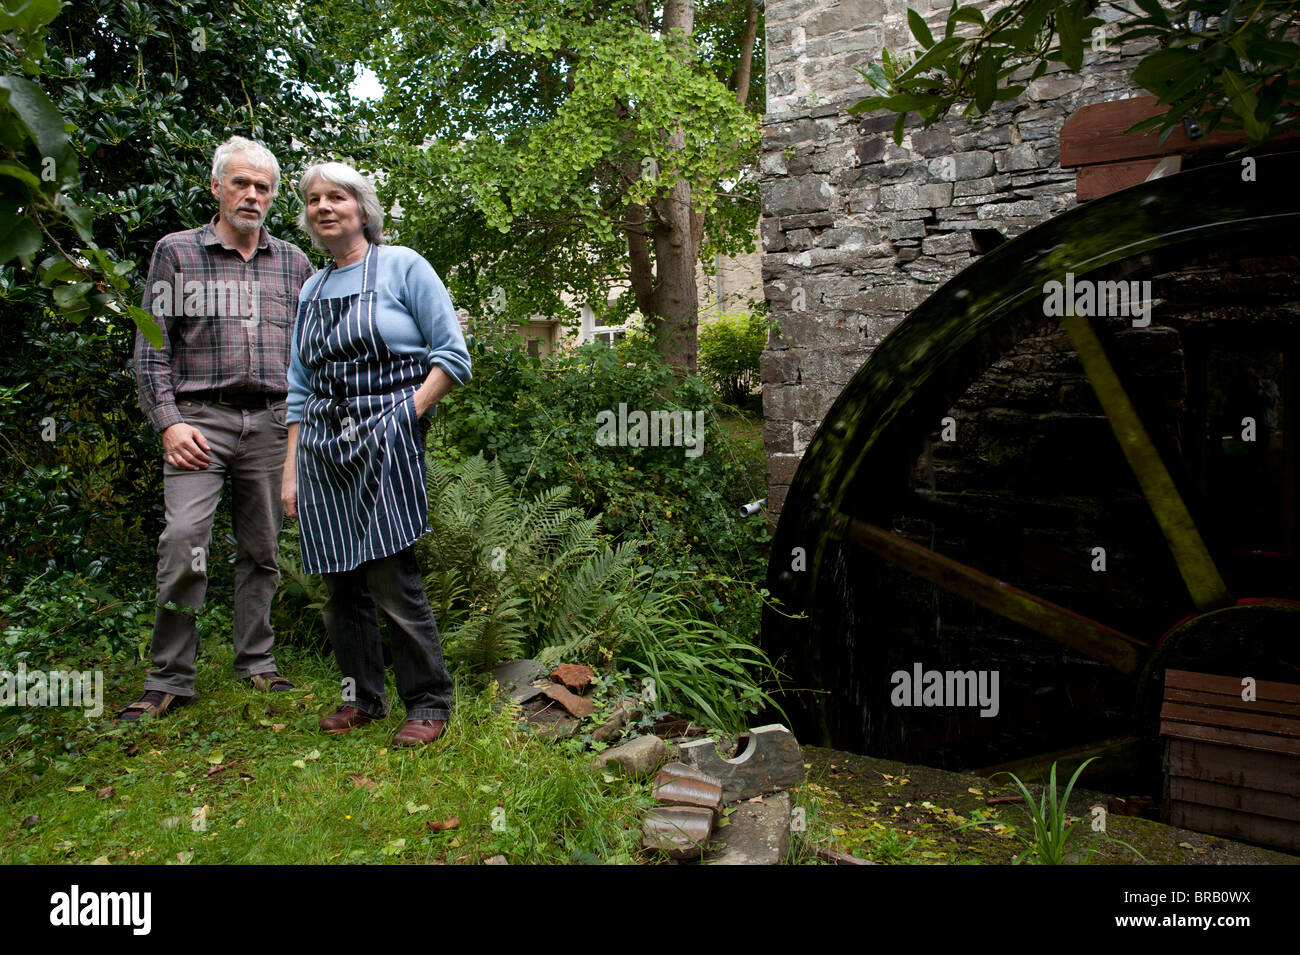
column 185, row 447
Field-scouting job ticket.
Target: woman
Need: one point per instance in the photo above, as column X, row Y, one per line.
column 375, row 346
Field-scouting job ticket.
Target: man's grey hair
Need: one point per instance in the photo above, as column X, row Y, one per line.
column 341, row 174
column 258, row 154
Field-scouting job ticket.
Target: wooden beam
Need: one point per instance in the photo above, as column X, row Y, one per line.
column 1093, row 182
column 1095, row 134
column 1089, row 637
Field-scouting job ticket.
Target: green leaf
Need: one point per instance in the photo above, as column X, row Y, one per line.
column 986, row 83
column 968, row 15
column 1069, row 27
column 1170, row 74
column 67, row 296
column 145, row 322
column 20, row 238
column 1154, row 10
column 1243, row 101
column 79, row 216
column 43, row 122
column 930, row 58
column 29, row 17
column 898, row 134
column 21, row 173
column 916, row 23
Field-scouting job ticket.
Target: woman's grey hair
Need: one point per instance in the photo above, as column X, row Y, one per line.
column 256, row 152
column 341, row 174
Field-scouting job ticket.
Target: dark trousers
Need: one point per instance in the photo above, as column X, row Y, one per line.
column 391, row 584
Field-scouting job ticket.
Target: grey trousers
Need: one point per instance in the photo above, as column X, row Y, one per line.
column 248, row 446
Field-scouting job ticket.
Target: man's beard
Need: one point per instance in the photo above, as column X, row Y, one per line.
column 241, row 225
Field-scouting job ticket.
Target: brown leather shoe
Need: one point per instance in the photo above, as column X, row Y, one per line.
column 344, row 719
column 419, row 732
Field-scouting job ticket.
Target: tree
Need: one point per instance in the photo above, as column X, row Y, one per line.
column 1222, row 63
column 129, row 101
column 148, row 90
column 544, row 147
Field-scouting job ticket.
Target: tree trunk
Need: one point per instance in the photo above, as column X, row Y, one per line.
column 676, row 299
column 740, row 79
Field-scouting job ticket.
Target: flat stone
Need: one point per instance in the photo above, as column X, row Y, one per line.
column 841, row 858
column 575, row 676
column 639, row 757
column 1023, row 156
column 553, row 723
column 772, row 760
column 579, row 706
column 628, row 708
column 517, row 673
column 758, row 833
column 680, row 831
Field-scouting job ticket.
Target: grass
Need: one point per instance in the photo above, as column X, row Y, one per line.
column 151, row 793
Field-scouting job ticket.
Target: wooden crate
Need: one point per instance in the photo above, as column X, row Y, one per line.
column 1232, row 767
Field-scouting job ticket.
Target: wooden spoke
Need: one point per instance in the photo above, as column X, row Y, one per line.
column 1197, row 567
column 1089, row 637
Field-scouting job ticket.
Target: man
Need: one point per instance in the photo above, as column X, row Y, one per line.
column 225, row 297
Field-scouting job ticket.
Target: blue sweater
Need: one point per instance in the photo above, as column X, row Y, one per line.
column 412, row 310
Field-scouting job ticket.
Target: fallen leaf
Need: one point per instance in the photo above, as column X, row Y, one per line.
column 364, row 782
column 102, row 860
column 279, row 726
column 216, row 757
column 975, row 791
column 300, row 764
column 106, row 793
column 185, row 857
column 314, row 754
column 1186, row 845
column 755, row 799
column 132, row 749
column 216, row 769
column 412, row 808
column 239, row 822
column 76, row 789
column 442, row 825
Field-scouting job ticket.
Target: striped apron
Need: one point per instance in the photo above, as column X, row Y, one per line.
column 361, row 483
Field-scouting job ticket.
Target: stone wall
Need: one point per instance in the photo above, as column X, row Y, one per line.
column 857, row 231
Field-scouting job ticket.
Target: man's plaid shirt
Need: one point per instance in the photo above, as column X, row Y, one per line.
column 226, row 323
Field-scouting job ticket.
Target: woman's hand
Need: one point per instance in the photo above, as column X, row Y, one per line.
column 289, row 480
column 434, row 388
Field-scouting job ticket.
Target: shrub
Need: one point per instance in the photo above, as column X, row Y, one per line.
column 509, row 576
column 729, row 351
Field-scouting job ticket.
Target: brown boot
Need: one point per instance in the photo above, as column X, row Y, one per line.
column 344, row 719
column 419, row 732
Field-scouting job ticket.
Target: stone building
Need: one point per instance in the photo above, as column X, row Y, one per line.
column 857, row 231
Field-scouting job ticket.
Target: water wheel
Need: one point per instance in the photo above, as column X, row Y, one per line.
column 1073, row 502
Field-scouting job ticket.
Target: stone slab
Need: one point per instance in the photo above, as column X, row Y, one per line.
column 770, row 760
column 758, row 833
